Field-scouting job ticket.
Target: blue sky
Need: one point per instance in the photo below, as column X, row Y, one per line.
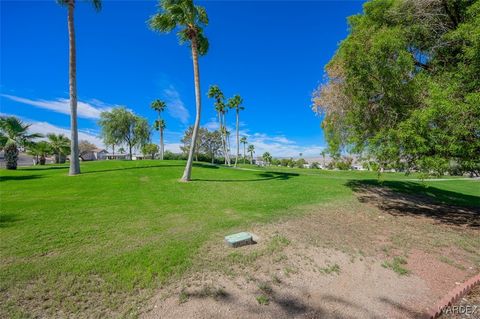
column 272, row 53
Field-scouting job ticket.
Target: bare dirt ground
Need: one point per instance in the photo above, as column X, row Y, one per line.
column 382, row 255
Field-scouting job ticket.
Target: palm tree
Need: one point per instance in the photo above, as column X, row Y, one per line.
column 74, row 156
column 236, row 103
column 267, row 157
column 243, row 140
column 190, row 19
column 251, row 150
column 60, row 146
column 14, row 134
column 159, row 125
column 40, row 150
column 217, row 94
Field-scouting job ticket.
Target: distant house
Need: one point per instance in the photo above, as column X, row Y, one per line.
column 94, row 155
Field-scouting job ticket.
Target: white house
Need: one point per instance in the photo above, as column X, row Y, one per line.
column 94, row 155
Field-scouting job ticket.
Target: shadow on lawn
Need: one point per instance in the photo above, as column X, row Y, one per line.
column 402, row 198
column 266, row 176
column 6, row 220
column 19, row 177
column 43, row 168
column 128, row 168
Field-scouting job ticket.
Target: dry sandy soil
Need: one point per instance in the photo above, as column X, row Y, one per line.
column 383, row 255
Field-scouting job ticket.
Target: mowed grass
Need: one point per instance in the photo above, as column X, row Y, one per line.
column 100, row 242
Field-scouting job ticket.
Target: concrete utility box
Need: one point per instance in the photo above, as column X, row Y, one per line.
column 239, row 239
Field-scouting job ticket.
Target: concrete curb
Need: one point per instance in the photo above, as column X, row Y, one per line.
column 452, row 297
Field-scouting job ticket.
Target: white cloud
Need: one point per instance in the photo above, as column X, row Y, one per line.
column 45, row 128
column 173, row 147
column 89, row 110
column 175, row 105
column 277, row 145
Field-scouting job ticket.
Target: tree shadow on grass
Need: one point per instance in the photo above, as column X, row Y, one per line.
column 6, row 220
column 44, row 168
column 400, row 198
column 19, row 177
column 261, row 178
column 129, row 168
column 205, row 165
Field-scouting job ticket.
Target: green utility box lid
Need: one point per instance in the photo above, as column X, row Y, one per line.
column 239, row 239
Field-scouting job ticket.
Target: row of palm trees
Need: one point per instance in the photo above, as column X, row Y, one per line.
column 234, row 103
column 189, row 19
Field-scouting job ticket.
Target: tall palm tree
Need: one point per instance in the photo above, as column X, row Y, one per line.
column 190, row 19
column 243, row 140
column 251, row 150
column 159, row 125
column 14, row 134
column 74, row 155
column 60, row 146
column 217, row 94
column 236, row 103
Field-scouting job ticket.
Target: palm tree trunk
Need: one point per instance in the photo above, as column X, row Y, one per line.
column 113, row 150
column 244, row 153
column 11, row 156
column 74, row 162
column 251, row 158
column 161, row 143
column 224, row 132
column 196, row 74
column 223, row 139
column 238, row 143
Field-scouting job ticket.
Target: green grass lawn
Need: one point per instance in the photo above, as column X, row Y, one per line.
column 107, row 237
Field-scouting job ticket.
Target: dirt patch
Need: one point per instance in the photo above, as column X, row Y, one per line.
column 342, row 260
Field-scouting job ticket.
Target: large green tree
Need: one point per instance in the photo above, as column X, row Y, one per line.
column 14, row 134
column 159, row 125
column 125, row 127
column 403, row 87
column 189, row 19
column 110, row 132
column 235, row 103
column 74, row 155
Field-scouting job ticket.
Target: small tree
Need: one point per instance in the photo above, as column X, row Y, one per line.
column 14, row 134
column 267, row 157
column 212, row 143
column 39, row 150
column 251, row 150
column 84, row 147
column 150, row 149
column 60, row 146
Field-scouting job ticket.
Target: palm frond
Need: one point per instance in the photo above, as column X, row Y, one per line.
column 202, row 43
column 202, row 15
column 97, row 4
column 162, row 22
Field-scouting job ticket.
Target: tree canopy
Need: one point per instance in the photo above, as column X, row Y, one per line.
column 404, row 86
